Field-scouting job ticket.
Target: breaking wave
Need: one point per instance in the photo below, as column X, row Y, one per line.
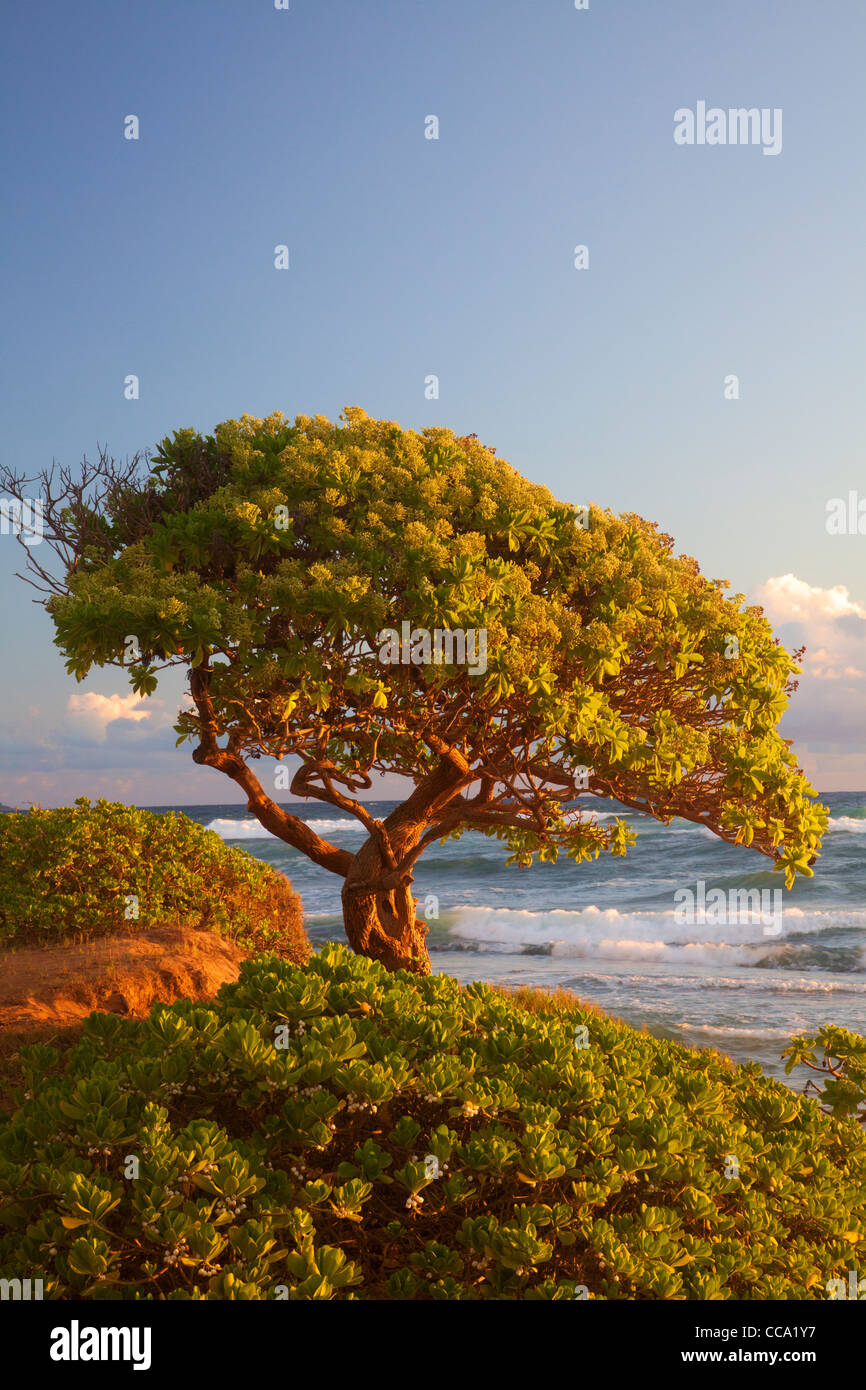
column 251, row 829
column 606, row 934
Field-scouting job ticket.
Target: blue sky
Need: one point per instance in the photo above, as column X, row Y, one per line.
column 454, row 257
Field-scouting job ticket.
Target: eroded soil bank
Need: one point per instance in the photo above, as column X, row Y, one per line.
column 62, row 984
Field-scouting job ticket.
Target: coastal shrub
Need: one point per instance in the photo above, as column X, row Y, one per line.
column 90, row 870
column 839, row 1058
column 336, row 1131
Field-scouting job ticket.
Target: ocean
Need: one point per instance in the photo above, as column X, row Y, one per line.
column 613, row 931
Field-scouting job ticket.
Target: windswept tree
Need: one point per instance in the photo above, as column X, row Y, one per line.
column 271, row 558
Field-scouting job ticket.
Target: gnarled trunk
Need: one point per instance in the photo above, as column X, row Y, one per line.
column 379, row 914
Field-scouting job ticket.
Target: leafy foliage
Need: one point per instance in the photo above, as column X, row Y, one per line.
column 73, row 871
column 269, row 555
column 842, row 1066
column 336, row 1131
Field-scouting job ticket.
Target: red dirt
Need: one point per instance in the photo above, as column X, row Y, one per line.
column 115, row 974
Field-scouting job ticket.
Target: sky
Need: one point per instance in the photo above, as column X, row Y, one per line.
column 606, row 375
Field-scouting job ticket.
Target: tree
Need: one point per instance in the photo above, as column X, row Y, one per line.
column 271, row 558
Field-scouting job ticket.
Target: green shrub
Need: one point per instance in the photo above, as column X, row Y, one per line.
column 842, row 1068
column 335, row 1131
column 85, row 870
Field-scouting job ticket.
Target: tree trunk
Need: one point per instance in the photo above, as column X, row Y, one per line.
column 380, row 920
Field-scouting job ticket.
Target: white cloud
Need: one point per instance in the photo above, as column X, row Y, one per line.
column 830, row 623
column 788, row 599
column 827, row 714
column 92, row 713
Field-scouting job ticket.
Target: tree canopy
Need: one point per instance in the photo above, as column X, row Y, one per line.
column 269, row 558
